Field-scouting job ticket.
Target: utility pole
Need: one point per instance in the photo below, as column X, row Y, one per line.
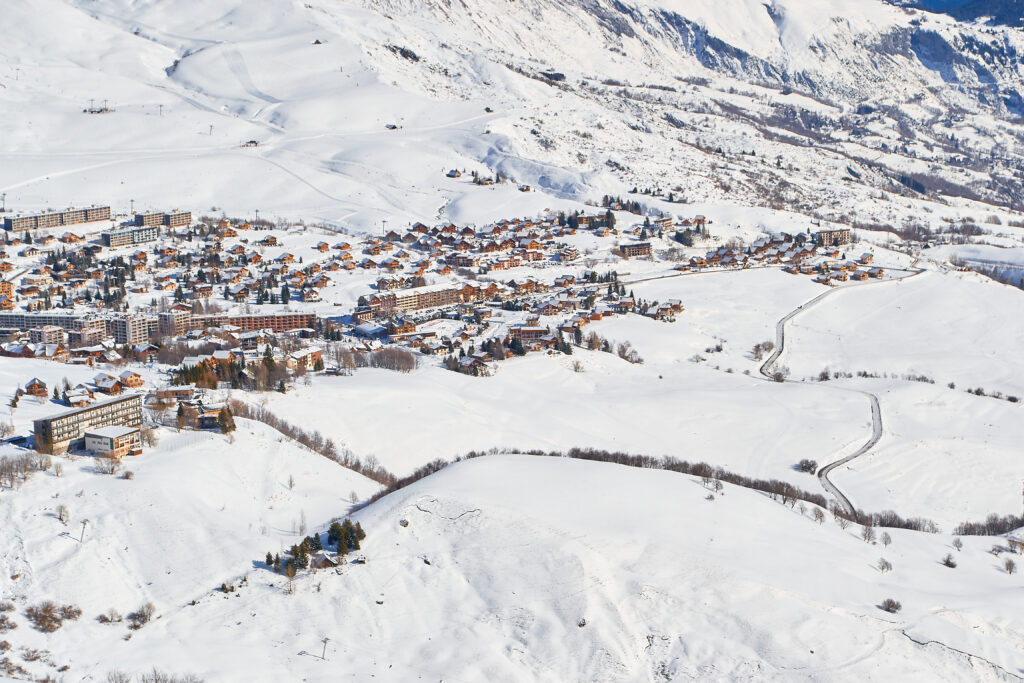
column 383, row 226
column 257, row 216
column 132, row 210
column 323, row 655
column 82, row 536
column 3, row 202
column 211, row 130
column 161, row 109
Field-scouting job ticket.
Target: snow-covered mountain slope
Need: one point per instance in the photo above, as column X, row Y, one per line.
column 847, row 110
column 519, row 568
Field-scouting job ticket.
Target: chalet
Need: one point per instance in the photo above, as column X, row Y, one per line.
column 36, row 387
column 474, row 365
column 79, row 397
column 132, row 380
column 308, row 358
column 400, row 326
column 109, row 385
column 565, row 281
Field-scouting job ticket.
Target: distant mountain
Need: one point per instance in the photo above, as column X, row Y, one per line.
column 1003, row 12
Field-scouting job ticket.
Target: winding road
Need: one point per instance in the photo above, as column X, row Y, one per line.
column 769, row 366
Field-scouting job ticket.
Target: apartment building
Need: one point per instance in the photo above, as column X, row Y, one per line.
column 132, row 329
column 635, row 250
column 57, row 433
column 53, row 219
column 130, row 236
column 278, row 322
column 174, row 323
column 47, row 334
column 67, row 320
column 174, row 219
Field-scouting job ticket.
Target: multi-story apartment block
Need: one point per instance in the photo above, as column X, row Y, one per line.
column 23, row 320
column 174, row 219
column 177, row 219
column 278, row 322
column 131, row 236
column 58, row 433
column 47, row 334
column 149, row 218
column 174, row 323
column 133, row 329
column 53, row 219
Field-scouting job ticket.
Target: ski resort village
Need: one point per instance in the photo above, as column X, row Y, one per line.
column 580, row 341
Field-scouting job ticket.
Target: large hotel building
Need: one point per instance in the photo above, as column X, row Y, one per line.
column 57, row 433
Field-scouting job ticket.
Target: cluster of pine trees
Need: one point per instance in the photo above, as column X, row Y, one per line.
column 344, row 536
column 610, row 202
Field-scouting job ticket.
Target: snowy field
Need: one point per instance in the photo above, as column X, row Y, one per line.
column 669, row 405
column 945, row 454
column 540, row 569
column 960, row 328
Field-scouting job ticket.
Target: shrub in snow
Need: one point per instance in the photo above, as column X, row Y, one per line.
column 141, row 616
column 809, row 466
column 949, row 561
column 891, row 606
column 111, row 616
column 1010, row 566
column 47, row 616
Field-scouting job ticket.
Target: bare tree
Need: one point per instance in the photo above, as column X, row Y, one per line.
column 148, row 436
column 780, row 374
column 819, row 516
column 108, row 464
column 868, row 534
column 63, row 514
column 884, row 565
column 1010, row 566
column 948, row 561
column 958, row 544
column 886, row 539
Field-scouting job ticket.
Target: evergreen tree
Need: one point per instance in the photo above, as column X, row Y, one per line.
column 226, row 420
column 181, row 420
column 270, row 559
column 333, row 533
column 285, row 294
